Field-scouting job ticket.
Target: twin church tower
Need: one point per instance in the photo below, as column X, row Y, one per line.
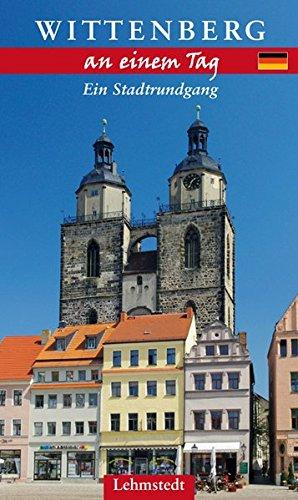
column 105, row 271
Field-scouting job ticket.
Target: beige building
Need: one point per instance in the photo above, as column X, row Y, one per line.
column 283, row 393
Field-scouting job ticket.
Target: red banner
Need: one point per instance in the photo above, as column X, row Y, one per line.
column 143, row 487
column 149, row 60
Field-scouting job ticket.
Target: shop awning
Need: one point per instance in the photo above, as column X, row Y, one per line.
column 207, row 447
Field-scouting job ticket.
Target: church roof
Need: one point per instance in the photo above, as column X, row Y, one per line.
column 199, row 160
column 142, row 262
column 102, row 175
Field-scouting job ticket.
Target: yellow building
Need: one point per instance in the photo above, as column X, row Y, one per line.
column 142, row 416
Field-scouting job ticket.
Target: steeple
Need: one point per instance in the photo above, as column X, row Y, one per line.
column 197, row 136
column 103, row 148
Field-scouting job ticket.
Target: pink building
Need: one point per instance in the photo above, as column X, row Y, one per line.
column 283, row 393
column 17, row 355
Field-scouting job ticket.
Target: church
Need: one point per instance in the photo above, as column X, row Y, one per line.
column 104, row 270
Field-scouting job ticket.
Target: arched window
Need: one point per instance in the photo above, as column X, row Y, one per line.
column 228, row 262
column 192, row 249
column 93, row 267
column 92, row 317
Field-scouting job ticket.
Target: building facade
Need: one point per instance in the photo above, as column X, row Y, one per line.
column 143, row 394
column 218, row 391
column 17, row 355
column 261, row 453
column 103, row 268
column 65, row 405
column 283, row 393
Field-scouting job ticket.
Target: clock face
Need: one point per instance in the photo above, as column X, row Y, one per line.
column 192, row 181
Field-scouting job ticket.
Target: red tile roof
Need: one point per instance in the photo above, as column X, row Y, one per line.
column 151, row 328
column 17, row 354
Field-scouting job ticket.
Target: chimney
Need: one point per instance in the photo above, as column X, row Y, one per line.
column 44, row 336
column 189, row 312
column 123, row 316
column 242, row 338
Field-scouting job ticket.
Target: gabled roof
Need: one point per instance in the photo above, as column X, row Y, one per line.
column 75, row 350
column 17, row 354
column 151, row 328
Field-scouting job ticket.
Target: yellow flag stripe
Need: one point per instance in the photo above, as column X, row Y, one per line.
column 272, row 66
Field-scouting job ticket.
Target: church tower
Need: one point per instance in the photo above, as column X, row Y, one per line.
column 196, row 237
column 94, row 243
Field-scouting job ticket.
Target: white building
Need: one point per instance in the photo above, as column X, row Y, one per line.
column 65, row 405
column 218, row 381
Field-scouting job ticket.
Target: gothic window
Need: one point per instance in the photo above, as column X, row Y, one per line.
column 192, row 249
column 93, row 260
column 92, row 317
column 228, row 262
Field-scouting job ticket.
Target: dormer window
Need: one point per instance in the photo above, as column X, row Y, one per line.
column 90, row 343
column 60, row 345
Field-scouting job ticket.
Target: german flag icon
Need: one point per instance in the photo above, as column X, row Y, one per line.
column 272, row 61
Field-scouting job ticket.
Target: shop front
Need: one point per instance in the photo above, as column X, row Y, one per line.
column 10, row 463
column 47, row 466
column 198, row 458
column 141, row 460
column 81, row 464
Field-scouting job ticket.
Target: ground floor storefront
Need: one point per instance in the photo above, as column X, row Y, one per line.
column 231, row 458
column 52, row 463
column 13, row 460
column 142, row 460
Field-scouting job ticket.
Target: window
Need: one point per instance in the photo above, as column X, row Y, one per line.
column 67, row 400
column 295, row 464
column 52, row 401
column 2, row 397
column 92, row 317
column 133, row 389
column 79, row 427
column 294, row 347
column 55, row 376
column 294, row 381
column 209, row 349
column 228, row 260
column 169, row 420
column 151, row 421
column 233, row 416
column 38, row 427
column 151, row 388
column 216, row 417
column 171, row 356
column 2, row 427
column 94, row 192
column 60, row 345
column 139, row 280
column 51, row 428
column 41, row 377
column 66, row 428
column 80, row 400
column 16, row 427
column 170, row 387
column 91, row 343
column 200, row 379
column 17, row 397
column 192, row 249
column 199, row 417
column 92, row 427
column 224, row 350
column 116, row 358
column 134, row 357
column 69, row 375
column 283, row 348
column 116, row 389
column 92, row 399
column 93, row 260
column 94, row 375
column 132, row 421
column 39, row 401
column 152, row 357
column 233, row 380
column 216, row 381
column 82, row 375
column 294, row 413
column 115, row 422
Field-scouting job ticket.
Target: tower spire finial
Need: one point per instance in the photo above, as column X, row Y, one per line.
column 104, row 122
column 198, row 109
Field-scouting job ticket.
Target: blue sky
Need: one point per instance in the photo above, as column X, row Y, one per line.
column 47, row 131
